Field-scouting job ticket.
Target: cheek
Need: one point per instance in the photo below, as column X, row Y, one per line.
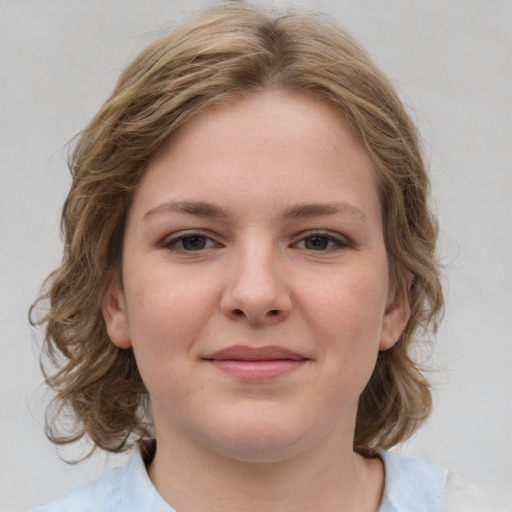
column 346, row 315
column 168, row 310
column 166, row 316
column 351, row 302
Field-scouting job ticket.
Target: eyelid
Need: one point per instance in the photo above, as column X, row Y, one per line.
column 341, row 241
column 170, row 241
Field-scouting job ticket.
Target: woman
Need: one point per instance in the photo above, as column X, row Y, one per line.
column 249, row 257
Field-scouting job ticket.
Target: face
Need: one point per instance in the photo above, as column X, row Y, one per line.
column 255, row 289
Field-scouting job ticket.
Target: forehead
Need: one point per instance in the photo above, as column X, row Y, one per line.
column 270, row 116
column 271, row 147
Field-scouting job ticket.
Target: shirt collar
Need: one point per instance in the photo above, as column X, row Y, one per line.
column 406, row 481
column 137, row 491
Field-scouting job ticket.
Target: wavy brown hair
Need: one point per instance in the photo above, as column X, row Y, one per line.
column 230, row 51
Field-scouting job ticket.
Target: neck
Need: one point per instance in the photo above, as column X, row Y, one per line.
column 331, row 478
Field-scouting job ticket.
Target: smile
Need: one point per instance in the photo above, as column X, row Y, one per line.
column 263, row 363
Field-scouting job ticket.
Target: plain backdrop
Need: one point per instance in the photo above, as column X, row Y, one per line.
column 451, row 61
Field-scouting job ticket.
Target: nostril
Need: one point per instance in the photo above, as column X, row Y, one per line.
column 238, row 312
column 273, row 312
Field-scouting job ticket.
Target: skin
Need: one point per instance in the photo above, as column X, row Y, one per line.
column 257, row 268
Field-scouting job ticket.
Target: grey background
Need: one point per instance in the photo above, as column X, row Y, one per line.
column 451, row 61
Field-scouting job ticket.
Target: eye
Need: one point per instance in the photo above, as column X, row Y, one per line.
column 189, row 242
column 321, row 242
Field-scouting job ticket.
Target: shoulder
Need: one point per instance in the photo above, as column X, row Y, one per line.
column 413, row 485
column 100, row 495
column 465, row 496
column 125, row 489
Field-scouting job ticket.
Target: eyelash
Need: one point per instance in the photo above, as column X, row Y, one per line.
column 172, row 243
column 336, row 243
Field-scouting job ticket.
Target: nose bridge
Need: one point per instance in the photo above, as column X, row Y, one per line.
column 255, row 287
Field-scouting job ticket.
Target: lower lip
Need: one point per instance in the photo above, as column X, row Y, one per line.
column 258, row 370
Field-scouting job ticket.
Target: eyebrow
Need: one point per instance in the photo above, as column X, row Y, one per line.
column 300, row 211
column 318, row 209
column 197, row 208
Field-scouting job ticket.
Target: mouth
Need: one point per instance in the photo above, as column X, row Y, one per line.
column 252, row 364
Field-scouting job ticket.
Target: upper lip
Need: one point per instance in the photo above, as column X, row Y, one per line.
column 248, row 353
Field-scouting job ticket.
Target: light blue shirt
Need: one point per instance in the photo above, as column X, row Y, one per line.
column 410, row 486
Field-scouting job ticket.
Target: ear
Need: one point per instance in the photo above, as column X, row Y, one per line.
column 396, row 316
column 115, row 314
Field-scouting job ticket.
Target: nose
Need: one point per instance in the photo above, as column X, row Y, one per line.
column 255, row 288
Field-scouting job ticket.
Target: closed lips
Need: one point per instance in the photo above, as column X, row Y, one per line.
column 260, row 364
column 246, row 353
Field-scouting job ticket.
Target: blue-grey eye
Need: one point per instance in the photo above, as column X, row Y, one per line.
column 317, row 243
column 193, row 242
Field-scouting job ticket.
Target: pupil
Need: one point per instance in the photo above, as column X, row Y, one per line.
column 193, row 243
column 317, row 242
